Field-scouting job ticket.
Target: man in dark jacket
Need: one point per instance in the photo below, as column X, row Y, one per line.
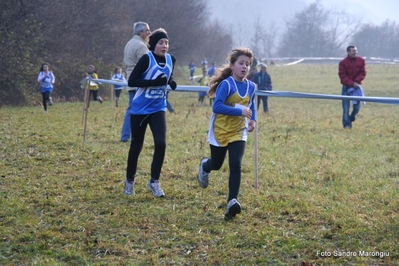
column 351, row 71
column 264, row 83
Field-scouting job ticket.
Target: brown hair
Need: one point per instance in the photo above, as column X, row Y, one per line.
column 225, row 72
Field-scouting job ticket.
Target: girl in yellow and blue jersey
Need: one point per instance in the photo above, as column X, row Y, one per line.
column 234, row 115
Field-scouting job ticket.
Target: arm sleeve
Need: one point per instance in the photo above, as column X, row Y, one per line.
column 40, row 77
column 362, row 74
column 219, row 107
column 53, row 78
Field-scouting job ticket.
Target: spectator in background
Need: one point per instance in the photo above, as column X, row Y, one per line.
column 93, row 86
column 252, row 73
column 211, row 70
column 191, row 66
column 204, row 64
column 46, row 79
column 118, row 75
column 351, row 72
column 264, row 83
column 134, row 49
column 203, row 81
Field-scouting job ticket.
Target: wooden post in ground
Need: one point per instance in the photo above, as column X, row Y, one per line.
column 256, row 149
column 86, row 108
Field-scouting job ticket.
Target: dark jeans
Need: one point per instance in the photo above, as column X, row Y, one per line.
column 236, row 152
column 265, row 106
column 346, row 118
column 126, row 130
column 45, row 98
column 157, row 122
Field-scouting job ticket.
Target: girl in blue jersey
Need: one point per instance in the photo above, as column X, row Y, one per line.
column 233, row 117
column 46, row 79
column 151, row 76
column 118, row 75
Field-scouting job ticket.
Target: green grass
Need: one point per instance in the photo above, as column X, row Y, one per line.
column 321, row 188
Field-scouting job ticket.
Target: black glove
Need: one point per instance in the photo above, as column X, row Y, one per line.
column 172, row 84
column 160, row 80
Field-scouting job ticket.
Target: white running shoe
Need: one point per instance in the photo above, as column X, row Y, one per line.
column 203, row 177
column 129, row 188
column 233, row 208
column 155, row 188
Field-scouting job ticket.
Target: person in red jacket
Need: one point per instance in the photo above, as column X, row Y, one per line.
column 351, row 71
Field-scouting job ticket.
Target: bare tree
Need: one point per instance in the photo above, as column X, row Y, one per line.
column 316, row 31
column 71, row 35
column 378, row 41
column 264, row 39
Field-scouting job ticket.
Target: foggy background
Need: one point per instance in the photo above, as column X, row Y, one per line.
column 69, row 35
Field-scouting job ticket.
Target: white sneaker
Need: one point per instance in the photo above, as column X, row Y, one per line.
column 45, row 111
column 155, row 188
column 233, row 208
column 129, row 188
column 51, row 101
column 203, row 177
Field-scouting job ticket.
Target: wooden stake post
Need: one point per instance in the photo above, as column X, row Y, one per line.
column 86, row 105
column 256, row 148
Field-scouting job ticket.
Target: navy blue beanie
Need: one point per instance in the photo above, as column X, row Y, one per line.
column 155, row 37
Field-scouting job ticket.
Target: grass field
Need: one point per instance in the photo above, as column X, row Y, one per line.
column 326, row 196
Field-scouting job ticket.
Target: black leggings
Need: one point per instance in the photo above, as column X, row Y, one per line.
column 45, row 98
column 236, row 152
column 138, row 124
column 94, row 93
column 118, row 93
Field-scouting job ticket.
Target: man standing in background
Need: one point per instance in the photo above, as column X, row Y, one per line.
column 134, row 49
column 264, row 83
column 351, row 71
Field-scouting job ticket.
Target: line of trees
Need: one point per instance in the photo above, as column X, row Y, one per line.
column 70, row 35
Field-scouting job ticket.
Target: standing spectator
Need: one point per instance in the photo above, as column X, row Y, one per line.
column 229, row 125
column 264, row 83
column 204, row 65
column 134, row 49
column 351, row 71
column 118, row 75
column 152, row 74
column 211, row 73
column 252, row 73
column 46, row 79
column 211, row 70
column 191, row 66
column 93, row 86
column 203, row 81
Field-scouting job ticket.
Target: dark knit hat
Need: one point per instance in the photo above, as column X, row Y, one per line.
column 155, row 37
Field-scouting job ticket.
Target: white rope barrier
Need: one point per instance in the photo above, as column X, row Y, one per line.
column 189, row 88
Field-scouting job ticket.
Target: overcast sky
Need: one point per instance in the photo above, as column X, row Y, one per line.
column 239, row 13
column 234, row 11
column 374, row 11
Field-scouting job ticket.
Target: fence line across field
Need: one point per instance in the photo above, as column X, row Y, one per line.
column 288, row 94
